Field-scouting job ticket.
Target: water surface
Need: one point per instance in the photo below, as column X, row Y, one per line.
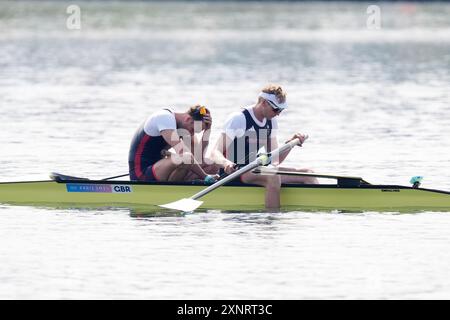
column 375, row 103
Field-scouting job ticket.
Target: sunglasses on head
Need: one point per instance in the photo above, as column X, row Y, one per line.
column 199, row 113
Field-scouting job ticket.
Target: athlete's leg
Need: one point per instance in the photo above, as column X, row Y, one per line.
column 164, row 168
column 272, row 185
column 169, row 170
column 211, row 169
column 298, row 179
column 180, row 173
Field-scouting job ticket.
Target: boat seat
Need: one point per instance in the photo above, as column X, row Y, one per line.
column 58, row 177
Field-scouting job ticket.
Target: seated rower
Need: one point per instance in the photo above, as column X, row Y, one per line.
column 149, row 157
column 245, row 132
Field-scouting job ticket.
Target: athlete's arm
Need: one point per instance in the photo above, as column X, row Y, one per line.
column 172, row 138
column 283, row 155
column 234, row 127
column 217, row 153
column 274, row 145
column 207, row 124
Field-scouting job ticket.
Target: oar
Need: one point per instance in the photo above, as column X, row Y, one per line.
column 122, row 175
column 60, row 177
column 241, row 162
column 191, row 204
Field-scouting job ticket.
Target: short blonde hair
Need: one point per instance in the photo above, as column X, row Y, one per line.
column 277, row 91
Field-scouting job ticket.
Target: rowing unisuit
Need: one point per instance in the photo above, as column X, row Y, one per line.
column 147, row 144
column 248, row 135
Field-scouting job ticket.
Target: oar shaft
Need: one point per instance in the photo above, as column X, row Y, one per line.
column 256, row 163
column 228, row 178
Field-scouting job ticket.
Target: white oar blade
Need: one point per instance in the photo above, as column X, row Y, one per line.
column 185, row 205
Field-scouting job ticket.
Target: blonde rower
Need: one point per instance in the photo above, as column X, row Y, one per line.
column 247, row 131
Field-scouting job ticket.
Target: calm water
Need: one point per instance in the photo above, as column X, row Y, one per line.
column 376, row 103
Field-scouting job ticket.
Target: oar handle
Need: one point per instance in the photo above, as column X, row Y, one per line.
column 288, row 146
column 262, row 160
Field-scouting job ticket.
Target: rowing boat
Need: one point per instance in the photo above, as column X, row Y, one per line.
column 348, row 194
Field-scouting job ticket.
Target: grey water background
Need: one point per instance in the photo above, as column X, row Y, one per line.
column 376, row 103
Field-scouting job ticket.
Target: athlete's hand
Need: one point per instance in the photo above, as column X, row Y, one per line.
column 207, row 120
column 300, row 136
column 229, row 167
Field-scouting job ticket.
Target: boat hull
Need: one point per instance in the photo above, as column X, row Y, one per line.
column 147, row 196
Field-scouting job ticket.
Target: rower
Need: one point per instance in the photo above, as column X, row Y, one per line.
column 149, row 157
column 254, row 128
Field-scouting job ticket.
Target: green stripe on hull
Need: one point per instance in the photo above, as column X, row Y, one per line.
column 373, row 199
column 235, row 198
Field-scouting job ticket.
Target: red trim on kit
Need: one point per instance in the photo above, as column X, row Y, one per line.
column 154, row 173
column 137, row 157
